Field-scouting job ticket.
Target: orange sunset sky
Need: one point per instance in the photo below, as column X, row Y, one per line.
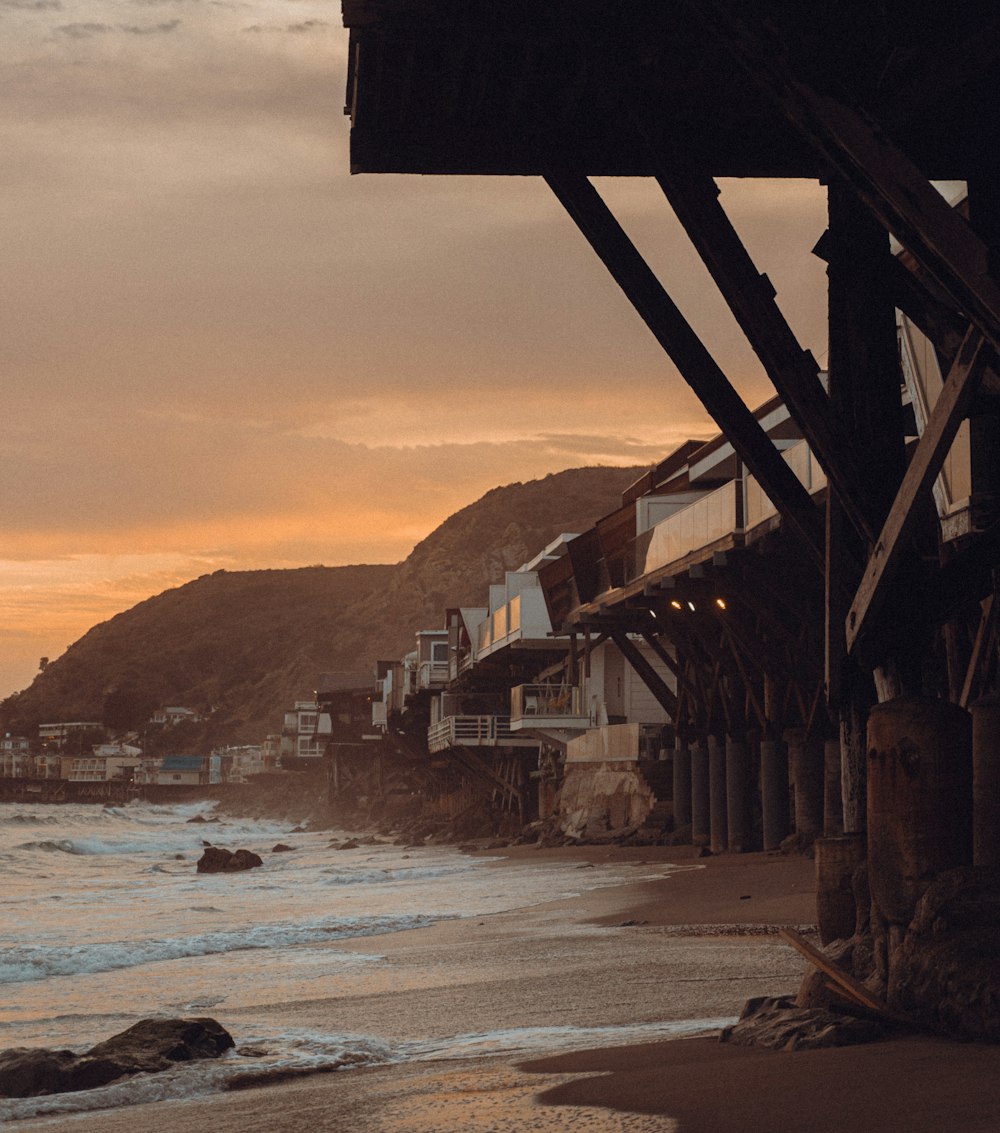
column 219, row 350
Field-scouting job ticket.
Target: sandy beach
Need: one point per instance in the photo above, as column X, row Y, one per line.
column 690, row 946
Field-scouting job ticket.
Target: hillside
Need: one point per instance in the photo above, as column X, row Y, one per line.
column 244, row 644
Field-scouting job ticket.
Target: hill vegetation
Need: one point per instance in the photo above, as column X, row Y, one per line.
column 239, row 646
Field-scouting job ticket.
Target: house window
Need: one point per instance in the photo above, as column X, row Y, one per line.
column 439, row 652
column 176, row 777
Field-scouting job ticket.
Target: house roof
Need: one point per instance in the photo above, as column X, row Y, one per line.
column 342, row 681
column 182, row 763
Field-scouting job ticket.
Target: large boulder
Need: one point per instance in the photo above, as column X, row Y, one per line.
column 26, row 1072
column 215, row 859
column 946, row 972
column 149, row 1046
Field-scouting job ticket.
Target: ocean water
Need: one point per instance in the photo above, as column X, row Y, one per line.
column 104, row 921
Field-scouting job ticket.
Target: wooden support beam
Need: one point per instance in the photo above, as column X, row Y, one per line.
column 650, row 677
column 667, row 660
column 570, row 663
column 750, row 296
column 479, row 768
column 696, row 365
column 649, row 636
column 767, row 598
column 925, row 308
column 983, row 630
column 947, row 415
column 855, row 147
column 748, row 683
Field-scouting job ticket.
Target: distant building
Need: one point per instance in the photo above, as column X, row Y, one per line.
column 105, row 763
column 102, row 769
column 15, row 757
column 299, row 741
column 189, row 770
column 242, row 762
column 432, row 658
column 48, row 765
column 345, row 707
column 148, row 770
column 63, row 734
column 168, row 717
column 271, row 749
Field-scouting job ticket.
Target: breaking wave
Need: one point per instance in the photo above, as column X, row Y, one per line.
column 25, row 963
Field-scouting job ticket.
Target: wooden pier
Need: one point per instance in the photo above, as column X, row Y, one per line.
column 874, row 590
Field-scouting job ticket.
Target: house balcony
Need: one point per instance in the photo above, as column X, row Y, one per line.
column 544, row 707
column 432, row 674
column 474, row 731
column 714, row 521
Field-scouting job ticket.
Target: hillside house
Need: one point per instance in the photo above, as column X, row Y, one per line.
column 68, row 735
column 170, row 717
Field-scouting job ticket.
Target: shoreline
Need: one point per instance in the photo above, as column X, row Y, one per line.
column 578, row 968
column 692, row 944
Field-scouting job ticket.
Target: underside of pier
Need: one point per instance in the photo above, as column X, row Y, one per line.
column 850, row 649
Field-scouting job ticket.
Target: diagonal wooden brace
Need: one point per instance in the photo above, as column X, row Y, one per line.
column 696, row 365
column 750, row 296
column 948, row 413
column 649, row 676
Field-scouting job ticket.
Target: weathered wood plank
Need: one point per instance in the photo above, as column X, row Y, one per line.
column 947, row 415
column 853, row 989
column 696, row 365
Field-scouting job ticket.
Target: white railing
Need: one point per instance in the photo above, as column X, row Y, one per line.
column 542, row 701
column 700, row 524
column 431, row 673
column 470, row 731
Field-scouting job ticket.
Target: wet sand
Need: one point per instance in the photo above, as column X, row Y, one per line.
column 688, row 946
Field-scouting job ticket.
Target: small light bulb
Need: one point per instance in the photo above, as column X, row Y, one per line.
column 676, row 605
column 691, row 606
column 721, row 603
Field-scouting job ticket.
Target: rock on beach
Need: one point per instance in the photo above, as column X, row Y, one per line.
column 215, row 859
column 147, row 1047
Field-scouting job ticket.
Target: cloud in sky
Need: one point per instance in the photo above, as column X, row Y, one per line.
column 31, row 5
column 83, row 31
column 219, row 349
column 299, row 28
